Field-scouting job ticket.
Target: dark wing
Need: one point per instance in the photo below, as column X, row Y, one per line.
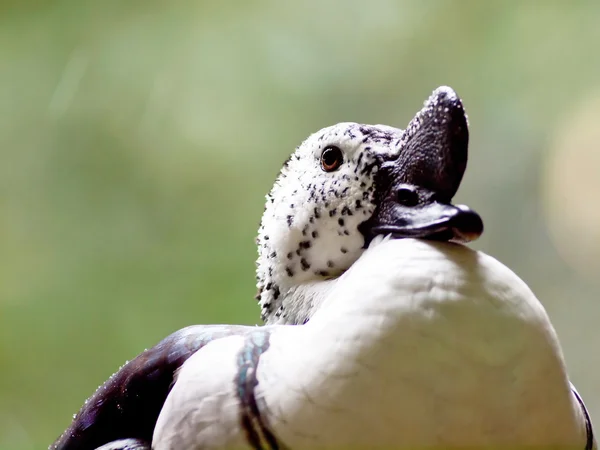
column 127, row 405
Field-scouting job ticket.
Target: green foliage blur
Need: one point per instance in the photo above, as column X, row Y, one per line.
column 138, row 140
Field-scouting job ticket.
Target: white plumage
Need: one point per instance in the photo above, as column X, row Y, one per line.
column 418, row 344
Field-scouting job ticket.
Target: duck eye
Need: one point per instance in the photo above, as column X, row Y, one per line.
column 331, row 158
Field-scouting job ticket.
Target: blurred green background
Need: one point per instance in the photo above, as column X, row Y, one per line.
column 138, row 140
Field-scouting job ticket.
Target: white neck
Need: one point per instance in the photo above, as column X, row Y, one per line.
column 422, row 344
column 301, row 302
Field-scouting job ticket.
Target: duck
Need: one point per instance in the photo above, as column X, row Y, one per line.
column 381, row 327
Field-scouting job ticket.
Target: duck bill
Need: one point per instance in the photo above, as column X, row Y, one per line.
column 414, row 190
column 435, row 221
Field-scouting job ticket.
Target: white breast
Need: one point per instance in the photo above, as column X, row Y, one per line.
column 418, row 344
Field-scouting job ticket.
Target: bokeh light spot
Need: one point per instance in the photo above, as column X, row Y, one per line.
column 571, row 186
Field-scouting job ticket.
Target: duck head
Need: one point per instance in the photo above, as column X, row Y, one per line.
column 350, row 182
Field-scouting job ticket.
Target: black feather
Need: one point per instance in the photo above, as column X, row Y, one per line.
column 127, row 405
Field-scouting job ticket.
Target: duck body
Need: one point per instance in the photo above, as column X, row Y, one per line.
column 419, row 344
column 382, row 330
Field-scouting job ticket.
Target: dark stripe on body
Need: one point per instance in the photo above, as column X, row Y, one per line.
column 252, row 422
column 589, row 431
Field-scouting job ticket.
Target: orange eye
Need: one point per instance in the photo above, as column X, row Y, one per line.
column 331, row 158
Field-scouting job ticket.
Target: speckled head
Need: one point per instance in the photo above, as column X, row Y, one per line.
column 349, row 182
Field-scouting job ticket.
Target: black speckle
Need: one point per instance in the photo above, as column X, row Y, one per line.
column 266, row 237
column 304, row 244
column 314, row 234
column 358, row 204
column 311, row 219
column 330, row 263
column 317, row 215
column 305, row 321
column 305, row 265
column 348, row 132
column 276, row 293
column 360, row 157
column 344, row 250
column 287, row 161
column 269, row 286
column 322, row 273
column 298, row 252
column 305, row 230
column 341, row 221
column 290, row 255
column 289, row 271
column 273, row 255
column 290, row 219
column 332, row 212
column 346, row 232
column 368, row 169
